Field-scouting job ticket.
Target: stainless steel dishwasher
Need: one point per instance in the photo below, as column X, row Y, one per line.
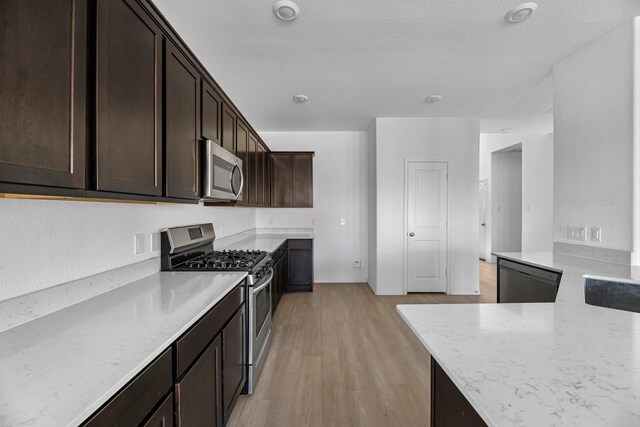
column 524, row 283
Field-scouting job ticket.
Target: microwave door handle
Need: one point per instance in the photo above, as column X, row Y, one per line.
column 237, row 193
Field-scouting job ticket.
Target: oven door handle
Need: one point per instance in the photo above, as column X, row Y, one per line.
column 266, row 283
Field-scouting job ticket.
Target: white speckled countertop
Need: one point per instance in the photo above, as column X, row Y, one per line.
column 58, row 369
column 264, row 242
column 555, row 364
column 537, row 364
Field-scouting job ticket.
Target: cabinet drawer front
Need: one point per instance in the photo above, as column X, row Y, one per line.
column 163, row 416
column 304, row 244
column 191, row 344
column 134, row 402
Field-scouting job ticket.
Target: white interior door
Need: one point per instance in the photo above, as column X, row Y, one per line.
column 483, row 200
column 427, row 199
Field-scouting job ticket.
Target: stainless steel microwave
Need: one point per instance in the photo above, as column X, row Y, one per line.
column 223, row 179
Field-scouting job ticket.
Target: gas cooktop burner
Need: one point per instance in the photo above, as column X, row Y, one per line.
column 225, row 260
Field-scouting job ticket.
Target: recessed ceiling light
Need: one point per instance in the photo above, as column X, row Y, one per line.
column 504, row 130
column 521, row 12
column 300, row 98
column 286, row 10
column 433, row 98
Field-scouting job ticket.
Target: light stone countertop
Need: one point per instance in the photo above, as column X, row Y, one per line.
column 59, row 369
column 265, row 242
column 553, row 364
column 537, row 364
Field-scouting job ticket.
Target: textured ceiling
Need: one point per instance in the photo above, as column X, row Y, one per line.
column 360, row 59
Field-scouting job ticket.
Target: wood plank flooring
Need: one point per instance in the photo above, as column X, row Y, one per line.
column 342, row 356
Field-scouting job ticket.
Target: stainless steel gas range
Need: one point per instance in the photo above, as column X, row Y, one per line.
column 191, row 248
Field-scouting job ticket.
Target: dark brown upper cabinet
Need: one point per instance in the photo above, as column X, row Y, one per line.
column 261, row 174
column 242, row 151
column 43, row 92
column 292, row 179
column 228, row 140
column 182, row 125
column 211, row 113
column 252, row 179
column 128, row 99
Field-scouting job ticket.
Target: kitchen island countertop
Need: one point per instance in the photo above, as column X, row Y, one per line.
column 567, row 364
column 562, row 363
column 57, row 370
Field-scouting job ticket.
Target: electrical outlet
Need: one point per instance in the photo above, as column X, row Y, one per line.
column 596, row 234
column 357, row 264
column 155, row 242
column 577, row 233
column 343, row 221
column 138, row 244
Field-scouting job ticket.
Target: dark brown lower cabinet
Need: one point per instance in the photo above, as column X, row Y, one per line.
column 133, row 404
column 280, row 275
column 196, row 382
column 234, row 357
column 448, row 406
column 163, row 416
column 300, row 256
column 198, row 393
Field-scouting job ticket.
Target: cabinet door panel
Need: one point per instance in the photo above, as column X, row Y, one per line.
column 163, row 416
column 228, row 129
column 198, row 394
column 233, row 360
column 182, row 94
column 211, row 113
column 253, row 170
column 242, row 151
column 260, row 175
column 129, row 99
column 281, row 180
column 302, row 165
column 43, row 92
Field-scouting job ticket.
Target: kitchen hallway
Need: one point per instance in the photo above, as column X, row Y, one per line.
column 343, row 356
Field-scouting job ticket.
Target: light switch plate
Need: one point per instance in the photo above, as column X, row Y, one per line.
column 343, row 221
column 357, row 264
column 596, row 234
column 138, row 244
column 155, row 242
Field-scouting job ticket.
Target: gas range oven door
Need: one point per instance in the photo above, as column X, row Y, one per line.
column 259, row 327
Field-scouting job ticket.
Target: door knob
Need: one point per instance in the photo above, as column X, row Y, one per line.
column 412, row 234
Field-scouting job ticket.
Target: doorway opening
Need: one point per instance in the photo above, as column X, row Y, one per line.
column 506, row 199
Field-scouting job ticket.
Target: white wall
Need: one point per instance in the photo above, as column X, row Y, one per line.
column 454, row 139
column 490, row 143
column 339, row 191
column 593, row 133
column 537, row 193
column 372, row 176
column 45, row 242
column 537, row 187
column 506, row 201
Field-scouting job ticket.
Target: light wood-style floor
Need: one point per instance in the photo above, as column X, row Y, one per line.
column 342, row 356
